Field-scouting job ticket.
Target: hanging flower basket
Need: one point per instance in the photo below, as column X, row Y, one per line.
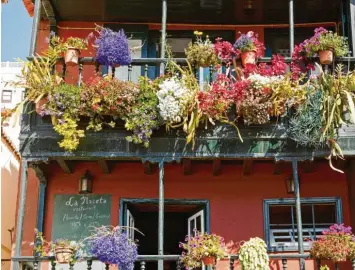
column 63, row 255
column 71, row 57
column 248, row 57
column 326, row 57
column 208, row 260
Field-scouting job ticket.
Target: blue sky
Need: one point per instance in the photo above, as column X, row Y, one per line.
column 16, row 26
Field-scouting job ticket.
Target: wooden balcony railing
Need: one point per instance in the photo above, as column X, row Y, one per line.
column 146, row 63
column 33, row 263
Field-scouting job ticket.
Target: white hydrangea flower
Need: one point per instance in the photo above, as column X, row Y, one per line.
column 173, row 99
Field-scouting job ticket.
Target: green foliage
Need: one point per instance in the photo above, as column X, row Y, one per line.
column 330, row 41
column 64, row 105
column 201, row 52
column 306, row 125
column 253, row 255
column 107, row 97
column 337, row 106
column 202, row 245
column 75, row 43
column 144, row 117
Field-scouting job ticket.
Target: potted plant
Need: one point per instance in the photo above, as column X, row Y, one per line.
column 72, row 47
column 326, row 44
column 102, row 97
column 203, row 248
column 144, row 117
column 201, row 53
column 111, row 245
column 253, row 255
column 336, row 244
column 112, row 48
column 65, row 251
column 64, row 108
column 249, row 47
column 41, row 247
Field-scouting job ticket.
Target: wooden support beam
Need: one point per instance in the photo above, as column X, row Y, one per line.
column 148, row 167
column 279, row 167
column 66, row 167
column 247, row 166
column 216, row 167
column 308, row 166
column 105, row 168
column 186, row 163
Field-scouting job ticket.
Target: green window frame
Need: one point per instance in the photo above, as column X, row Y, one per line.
column 283, row 236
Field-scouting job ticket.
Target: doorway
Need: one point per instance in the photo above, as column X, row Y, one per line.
column 181, row 218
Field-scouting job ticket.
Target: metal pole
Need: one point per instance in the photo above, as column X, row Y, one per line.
column 352, row 25
column 36, row 16
column 41, row 202
column 292, row 27
column 161, row 215
column 298, row 210
column 21, row 211
column 163, row 34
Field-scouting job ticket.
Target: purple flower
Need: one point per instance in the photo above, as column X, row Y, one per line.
column 115, row 248
column 112, row 48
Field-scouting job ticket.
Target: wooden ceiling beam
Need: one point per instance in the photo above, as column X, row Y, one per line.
column 247, row 166
column 217, row 167
column 186, row 164
column 65, row 166
column 105, row 168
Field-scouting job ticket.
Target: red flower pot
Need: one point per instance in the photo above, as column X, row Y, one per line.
column 208, row 260
column 326, row 57
column 248, row 57
column 71, row 57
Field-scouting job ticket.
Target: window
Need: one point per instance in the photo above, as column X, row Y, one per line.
column 23, row 95
column 280, row 222
column 6, row 96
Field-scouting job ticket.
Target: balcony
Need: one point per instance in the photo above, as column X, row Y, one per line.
column 38, row 139
column 277, row 261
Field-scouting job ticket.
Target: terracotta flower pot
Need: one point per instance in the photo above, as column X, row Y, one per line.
column 71, row 57
column 208, row 260
column 248, row 58
column 326, row 57
column 40, row 103
column 63, row 254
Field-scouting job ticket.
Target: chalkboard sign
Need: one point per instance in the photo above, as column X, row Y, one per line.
column 75, row 216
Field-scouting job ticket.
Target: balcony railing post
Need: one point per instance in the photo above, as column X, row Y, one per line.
column 163, row 34
column 284, row 264
column 53, row 263
column 142, row 265
column 231, row 263
column 161, row 215
column 298, row 211
column 292, row 26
